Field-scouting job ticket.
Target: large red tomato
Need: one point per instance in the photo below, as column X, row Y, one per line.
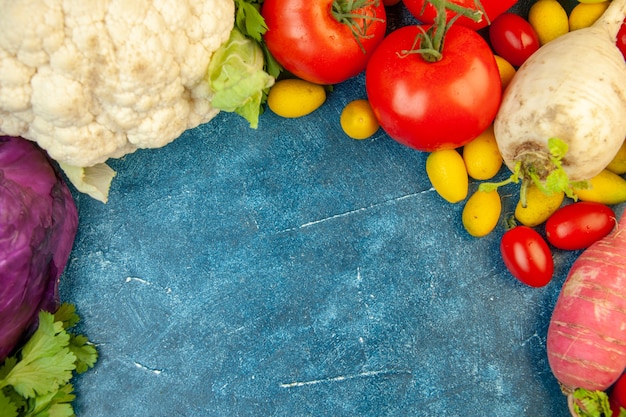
column 425, row 12
column 434, row 105
column 320, row 40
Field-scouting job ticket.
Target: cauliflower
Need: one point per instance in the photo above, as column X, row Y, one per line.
column 98, row 79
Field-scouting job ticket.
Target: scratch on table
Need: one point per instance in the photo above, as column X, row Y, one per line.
column 248, row 324
column 358, row 210
column 168, row 290
column 145, row 368
column 142, row 281
column 339, row 378
column 533, row 336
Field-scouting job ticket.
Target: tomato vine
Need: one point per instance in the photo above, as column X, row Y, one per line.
column 429, row 42
column 354, row 14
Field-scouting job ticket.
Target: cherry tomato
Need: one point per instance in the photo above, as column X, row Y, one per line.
column 527, row 256
column 513, row 38
column 425, row 12
column 320, row 42
column 577, row 225
column 617, row 395
column 390, row 2
column 621, row 39
column 434, row 105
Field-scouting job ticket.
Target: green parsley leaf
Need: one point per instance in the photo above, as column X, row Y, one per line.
column 46, row 362
column 249, row 20
column 86, row 353
column 9, row 363
column 66, row 313
column 54, row 404
column 35, row 382
column 7, row 408
column 16, row 399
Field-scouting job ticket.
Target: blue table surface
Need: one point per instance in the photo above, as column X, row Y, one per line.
column 292, row 271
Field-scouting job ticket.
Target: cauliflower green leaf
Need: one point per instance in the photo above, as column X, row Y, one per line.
column 249, row 21
column 237, row 77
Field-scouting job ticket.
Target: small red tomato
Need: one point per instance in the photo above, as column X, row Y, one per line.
column 617, row 396
column 621, row 39
column 527, row 256
column 390, row 2
column 513, row 38
column 577, row 225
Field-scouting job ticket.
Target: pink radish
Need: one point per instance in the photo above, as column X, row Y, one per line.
column 574, row 89
column 586, row 342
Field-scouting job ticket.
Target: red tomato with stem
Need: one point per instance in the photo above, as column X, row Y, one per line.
column 425, row 12
column 433, row 105
column 527, row 256
column 513, row 38
column 578, row 225
column 323, row 41
column 617, row 395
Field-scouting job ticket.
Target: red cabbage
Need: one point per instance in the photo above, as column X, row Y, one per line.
column 38, row 223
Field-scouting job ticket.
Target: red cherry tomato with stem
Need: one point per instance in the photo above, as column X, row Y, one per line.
column 425, row 12
column 578, row 225
column 527, row 256
column 322, row 41
column 435, row 105
column 513, row 38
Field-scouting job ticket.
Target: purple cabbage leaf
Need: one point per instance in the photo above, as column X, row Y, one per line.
column 38, row 224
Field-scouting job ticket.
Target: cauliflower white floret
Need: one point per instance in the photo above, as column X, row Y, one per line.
column 97, row 79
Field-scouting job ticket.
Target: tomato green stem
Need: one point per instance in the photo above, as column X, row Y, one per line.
column 475, row 15
column 543, row 169
column 354, row 14
column 431, row 40
column 429, row 52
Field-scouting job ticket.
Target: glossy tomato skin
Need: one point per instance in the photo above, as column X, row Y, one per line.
column 617, row 395
column 310, row 43
column 621, row 39
column 434, row 106
column 493, row 8
column 527, row 256
column 578, row 225
column 513, row 38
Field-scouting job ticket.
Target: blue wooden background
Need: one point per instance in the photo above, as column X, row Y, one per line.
column 292, row 271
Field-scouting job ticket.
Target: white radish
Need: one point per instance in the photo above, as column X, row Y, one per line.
column 574, row 89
